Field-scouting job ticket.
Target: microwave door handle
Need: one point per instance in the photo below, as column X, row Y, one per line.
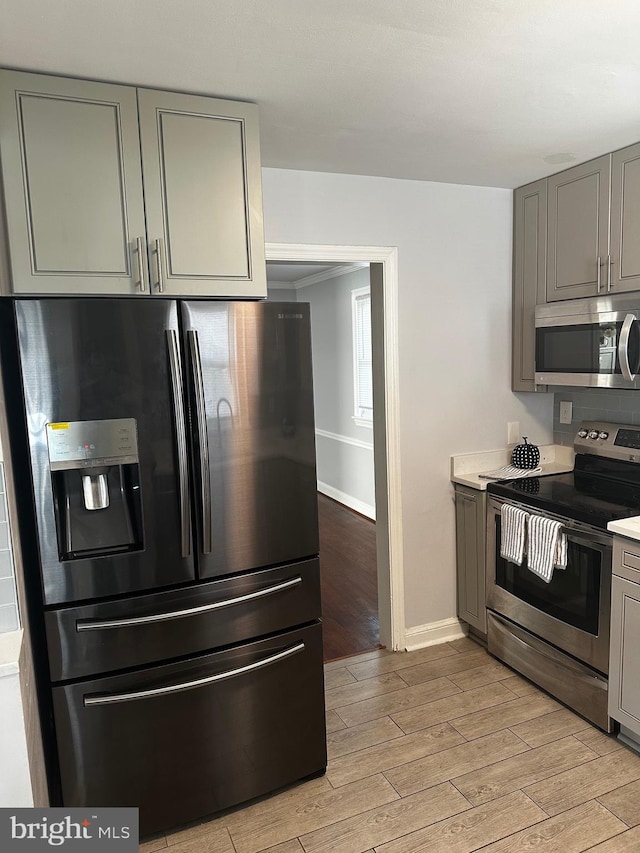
column 623, row 347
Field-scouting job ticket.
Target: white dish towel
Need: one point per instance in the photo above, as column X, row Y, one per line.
column 547, row 547
column 513, row 522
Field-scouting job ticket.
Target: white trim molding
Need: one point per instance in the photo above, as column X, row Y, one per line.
column 348, row 500
column 436, row 632
column 345, row 439
column 388, row 257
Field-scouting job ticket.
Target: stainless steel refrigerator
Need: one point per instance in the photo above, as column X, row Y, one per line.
column 165, row 470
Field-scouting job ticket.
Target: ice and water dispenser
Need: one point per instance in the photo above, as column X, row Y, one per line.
column 96, row 487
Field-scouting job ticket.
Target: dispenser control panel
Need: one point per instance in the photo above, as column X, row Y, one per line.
column 92, row 444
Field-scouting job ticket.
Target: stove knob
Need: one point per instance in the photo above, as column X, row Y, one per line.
column 593, row 433
column 603, row 435
column 582, row 433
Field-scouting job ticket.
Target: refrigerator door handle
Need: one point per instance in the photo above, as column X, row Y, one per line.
column 189, row 611
column 112, row 698
column 203, row 439
column 177, row 391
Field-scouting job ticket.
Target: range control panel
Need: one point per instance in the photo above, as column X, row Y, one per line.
column 617, row 441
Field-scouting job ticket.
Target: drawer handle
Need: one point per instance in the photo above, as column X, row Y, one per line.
column 190, row 685
column 190, row 611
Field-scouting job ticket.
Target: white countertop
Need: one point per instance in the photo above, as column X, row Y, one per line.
column 465, row 468
column 629, row 527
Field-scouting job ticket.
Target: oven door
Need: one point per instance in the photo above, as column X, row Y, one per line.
column 572, row 611
column 601, row 350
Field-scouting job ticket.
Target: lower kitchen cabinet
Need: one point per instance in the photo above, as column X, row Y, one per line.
column 471, row 512
column 624, row 662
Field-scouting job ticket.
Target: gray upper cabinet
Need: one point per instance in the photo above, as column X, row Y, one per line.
column 578, row 230
column 202, row 186
column 625, row 220
column 72, row 184
column 529, row 278
column 117, row 190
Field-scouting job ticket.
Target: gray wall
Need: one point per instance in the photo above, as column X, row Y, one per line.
column 344, row 449
column 594, row 404
column 281, row 294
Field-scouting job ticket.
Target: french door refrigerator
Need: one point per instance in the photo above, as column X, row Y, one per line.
column 164, row 460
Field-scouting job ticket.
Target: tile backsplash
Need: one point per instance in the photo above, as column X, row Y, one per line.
column 9, row 619
column 594, row 404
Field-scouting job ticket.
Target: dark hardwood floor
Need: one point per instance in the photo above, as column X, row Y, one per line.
column 349, row 581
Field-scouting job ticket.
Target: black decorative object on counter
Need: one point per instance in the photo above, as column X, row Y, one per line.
column 525, row 455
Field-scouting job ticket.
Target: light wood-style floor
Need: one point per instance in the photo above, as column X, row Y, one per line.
column 442, row 749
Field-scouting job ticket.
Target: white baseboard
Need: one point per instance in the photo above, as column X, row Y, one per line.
column 347, row 500
column 436, row 632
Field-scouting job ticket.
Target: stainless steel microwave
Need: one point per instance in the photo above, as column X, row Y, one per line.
column 589, row 342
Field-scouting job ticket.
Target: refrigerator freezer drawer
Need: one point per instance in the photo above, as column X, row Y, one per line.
column 184, row 740
column 96, row 638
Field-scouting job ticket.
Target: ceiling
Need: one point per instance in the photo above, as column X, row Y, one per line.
column 487, row 92
column 289, row 272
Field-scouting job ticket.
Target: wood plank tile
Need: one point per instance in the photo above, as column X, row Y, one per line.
column 353, row 659
column 598, row 741
column 381, row 757
column 377, row 826
column 586, row 782
column 520, row 686
column 211, row 837
column 450, row 763
column 627, row 842
column 504, row 716
column 624, row 802
column 361, row 690
column 334, row 722
column 492, row 782
column 443, row 667
column 480, row 675
column 297, row 811
column 550, row 727
column 359, row 737
column 465, row 644
column 570, row 832
column 451, row 707
column 409, row 697
column 155, row 842
column 338, row 678
column 292, row 846
column 472, row 829
column 400, row 660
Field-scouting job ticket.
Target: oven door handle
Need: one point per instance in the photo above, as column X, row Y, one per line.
column 623, row 347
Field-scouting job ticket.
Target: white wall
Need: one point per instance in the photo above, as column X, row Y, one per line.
column 454, row 256
column 344, row 449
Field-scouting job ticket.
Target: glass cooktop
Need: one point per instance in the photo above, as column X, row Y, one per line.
column 596, row 492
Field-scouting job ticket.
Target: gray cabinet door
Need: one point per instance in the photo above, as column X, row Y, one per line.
column 625, row 219
column 72, row 183
column 471, row 511
column 529, row 279
column 202, row 185
column 578, row 230
column 624, row 669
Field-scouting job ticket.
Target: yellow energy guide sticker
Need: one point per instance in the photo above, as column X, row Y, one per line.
column 58, row 426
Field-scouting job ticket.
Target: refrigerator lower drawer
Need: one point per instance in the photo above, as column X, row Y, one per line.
column 184, row 740
column 92, row 639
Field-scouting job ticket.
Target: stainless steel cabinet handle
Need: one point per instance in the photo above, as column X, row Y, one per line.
column 203, row 439
column 159, row 275
column 609, row 262
column 190, row 685
column 599, row 263
column 177, row 392
column 140, row 264
column 189, row 611
column 623, row 347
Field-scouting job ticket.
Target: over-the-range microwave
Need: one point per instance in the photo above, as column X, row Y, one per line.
column 589, row 342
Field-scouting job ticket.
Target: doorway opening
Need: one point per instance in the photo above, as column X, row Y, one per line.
column 375, row 511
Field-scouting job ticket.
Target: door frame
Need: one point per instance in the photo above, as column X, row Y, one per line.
column 386, row 425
